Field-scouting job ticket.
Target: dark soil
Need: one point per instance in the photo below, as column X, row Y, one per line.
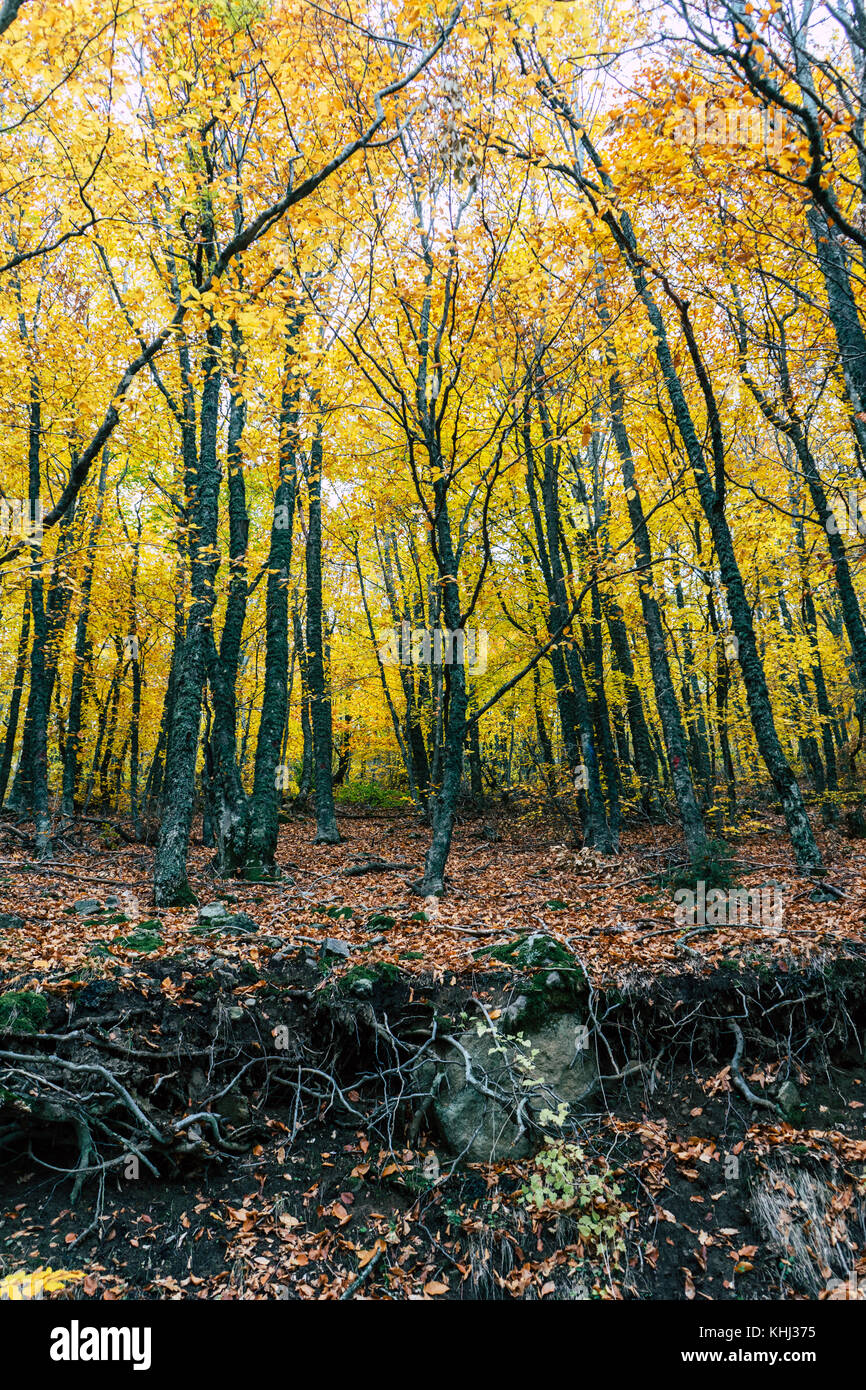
column 347, row 1199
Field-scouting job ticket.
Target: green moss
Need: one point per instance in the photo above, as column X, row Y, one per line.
column 534, row 952
column 184, row 897
column 377, row 972
column 23, row 1012
column 143, row 941
column 555, row 982
column 205, row 984
column 380, row 921
column 261, row 873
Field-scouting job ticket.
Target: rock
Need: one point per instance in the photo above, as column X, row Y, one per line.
column 239, row 922
column 86, row 906
column 789, row 1098
column 212, row 913
column 332, row 946
column 197, row 1084
column 113, row 901
column 216, row 917
column 554, row 981
column 484, row 1129
column 512, row 1015
column 362, row 987
column 9, row 922
column 97, row 994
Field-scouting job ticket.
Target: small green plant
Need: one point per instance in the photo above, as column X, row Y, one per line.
column 715, row 866
column 563, row 1179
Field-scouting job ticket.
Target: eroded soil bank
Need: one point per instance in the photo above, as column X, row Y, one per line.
column 314, row 1170
column 234, row 1100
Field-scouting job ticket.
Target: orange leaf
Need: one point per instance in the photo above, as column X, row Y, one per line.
column 367, row 1255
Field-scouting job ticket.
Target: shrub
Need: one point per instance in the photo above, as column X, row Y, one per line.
column 371, row 794
column 715, row 866
column 562, row 1179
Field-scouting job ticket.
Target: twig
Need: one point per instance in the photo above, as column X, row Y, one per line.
column 365, row 1273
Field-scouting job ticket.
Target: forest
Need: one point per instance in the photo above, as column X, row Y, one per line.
column 432, row 650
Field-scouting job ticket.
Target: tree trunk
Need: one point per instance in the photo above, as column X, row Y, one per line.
column 264, row 804
column 327, row 832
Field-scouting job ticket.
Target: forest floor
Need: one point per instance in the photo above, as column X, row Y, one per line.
column 330, row 1191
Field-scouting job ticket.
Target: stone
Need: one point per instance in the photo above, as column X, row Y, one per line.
column 197, row 1084
column 789, row 1097
column 85, row 906
column 239, row 922
column 212, row 913
column 362, row 987
column 216, row 917
column 554, row 982
column 332, row 946
column 9, row 922
column 97, row 994
column 113, row 901
column 552, row 1064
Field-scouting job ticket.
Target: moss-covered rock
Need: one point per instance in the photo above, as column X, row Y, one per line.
column 555, row 983
column 265, row 873
column 361, row 980
column 493, row 1093
column 23, row 1012
column 143, row 941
